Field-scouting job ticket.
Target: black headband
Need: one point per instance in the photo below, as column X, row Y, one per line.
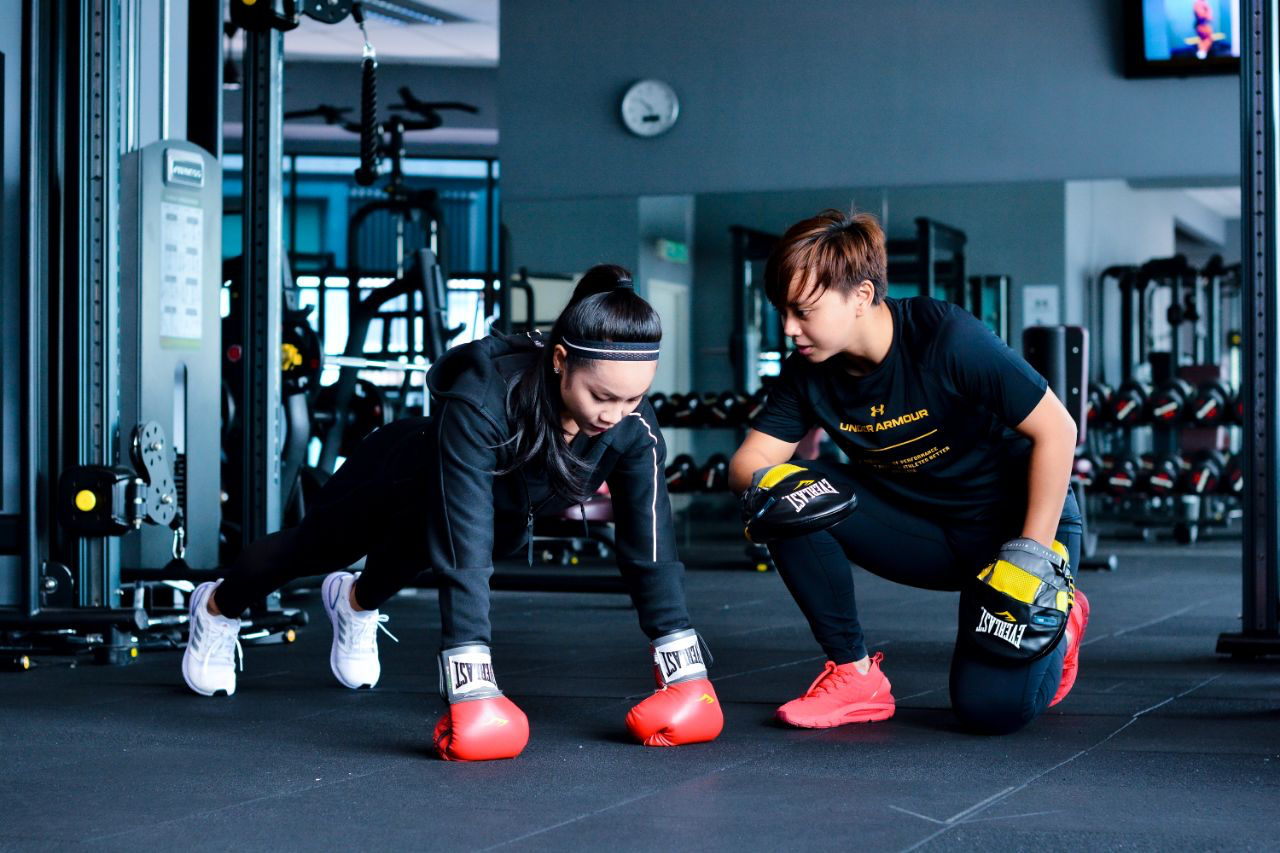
column 613, row 350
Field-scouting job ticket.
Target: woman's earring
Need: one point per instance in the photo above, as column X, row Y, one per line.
column 556, row 371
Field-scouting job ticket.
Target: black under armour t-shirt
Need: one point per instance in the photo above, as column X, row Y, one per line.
column 932, row 423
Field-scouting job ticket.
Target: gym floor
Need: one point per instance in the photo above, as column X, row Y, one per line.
column 1161, row 745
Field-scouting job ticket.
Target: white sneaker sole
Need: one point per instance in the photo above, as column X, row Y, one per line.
column 186, row 676
column 329, row 582
column 186, row 657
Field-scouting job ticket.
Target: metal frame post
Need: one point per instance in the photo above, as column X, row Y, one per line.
column 36, row 195
column 91, row 269
column 1260, row 631
column 263, row 200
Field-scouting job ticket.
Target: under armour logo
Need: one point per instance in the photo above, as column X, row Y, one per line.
column 877, row 411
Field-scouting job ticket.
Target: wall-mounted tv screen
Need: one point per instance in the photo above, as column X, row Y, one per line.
column 1182, row 37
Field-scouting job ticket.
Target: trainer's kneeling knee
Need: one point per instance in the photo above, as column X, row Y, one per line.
column 980, row 715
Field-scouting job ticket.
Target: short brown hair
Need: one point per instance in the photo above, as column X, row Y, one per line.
column 841, row 250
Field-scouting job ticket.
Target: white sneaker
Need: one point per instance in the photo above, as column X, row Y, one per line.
column 354, row 655
column 209, row 663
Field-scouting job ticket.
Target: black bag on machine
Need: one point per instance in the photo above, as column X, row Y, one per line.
column 1016, row 608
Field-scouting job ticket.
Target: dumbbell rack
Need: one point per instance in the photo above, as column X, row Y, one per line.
column 1164, row 488
column 726, row 410
column 1186, row 516
column 686, row 480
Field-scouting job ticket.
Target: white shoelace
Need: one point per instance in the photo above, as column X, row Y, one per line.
column 365, row 632
column 224, row 639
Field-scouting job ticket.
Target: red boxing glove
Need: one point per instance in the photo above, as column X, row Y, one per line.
column 482, row 730
column 685, row 708
column 687, row 712
column 481, row 724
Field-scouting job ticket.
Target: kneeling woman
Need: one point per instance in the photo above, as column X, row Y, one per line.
column 955, row 446
column 520, row 426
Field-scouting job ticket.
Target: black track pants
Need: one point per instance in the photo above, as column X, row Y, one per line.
column 909, row 548
column 371, row 507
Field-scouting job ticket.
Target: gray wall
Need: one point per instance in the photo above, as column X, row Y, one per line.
column 568, row 236
column 831, row 93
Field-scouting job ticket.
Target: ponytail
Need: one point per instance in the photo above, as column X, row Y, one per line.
column 604, row 307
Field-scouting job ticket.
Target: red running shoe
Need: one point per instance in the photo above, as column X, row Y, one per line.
column 842, row 695
column 1077, row 621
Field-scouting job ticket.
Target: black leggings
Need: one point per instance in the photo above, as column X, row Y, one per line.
column 909, row 548
column 369, row 508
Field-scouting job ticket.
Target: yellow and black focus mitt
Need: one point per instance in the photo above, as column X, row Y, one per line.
column 788, row 500
column 1016, row 608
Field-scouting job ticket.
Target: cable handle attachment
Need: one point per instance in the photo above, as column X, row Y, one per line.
column 370, row 132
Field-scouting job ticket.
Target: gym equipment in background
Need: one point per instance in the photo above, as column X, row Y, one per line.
column 1178, row 408
column 424, row 290
column 170, row 370
column 1061, row 355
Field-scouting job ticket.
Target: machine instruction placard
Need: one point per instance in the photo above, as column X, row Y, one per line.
column 182, row 257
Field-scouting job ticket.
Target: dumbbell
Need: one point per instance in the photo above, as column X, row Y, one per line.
column 1146, row 462
column 1236, row 411
column 688, row 410
column 754, row 406
column 740, row 410
column 718, row 408
column 1085, row 469
column 1168, row 401
column 660, row 404
column 714, row 475
column 674, row 402
column 1098, row 406
column 1129, row 403
column 1232, row 482
column 1203, row 473
column 1160, row 474
column 682, row 474
column 1211, row 404
column 1120, row 474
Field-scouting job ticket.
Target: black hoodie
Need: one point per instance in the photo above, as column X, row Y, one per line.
column 482, row 513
